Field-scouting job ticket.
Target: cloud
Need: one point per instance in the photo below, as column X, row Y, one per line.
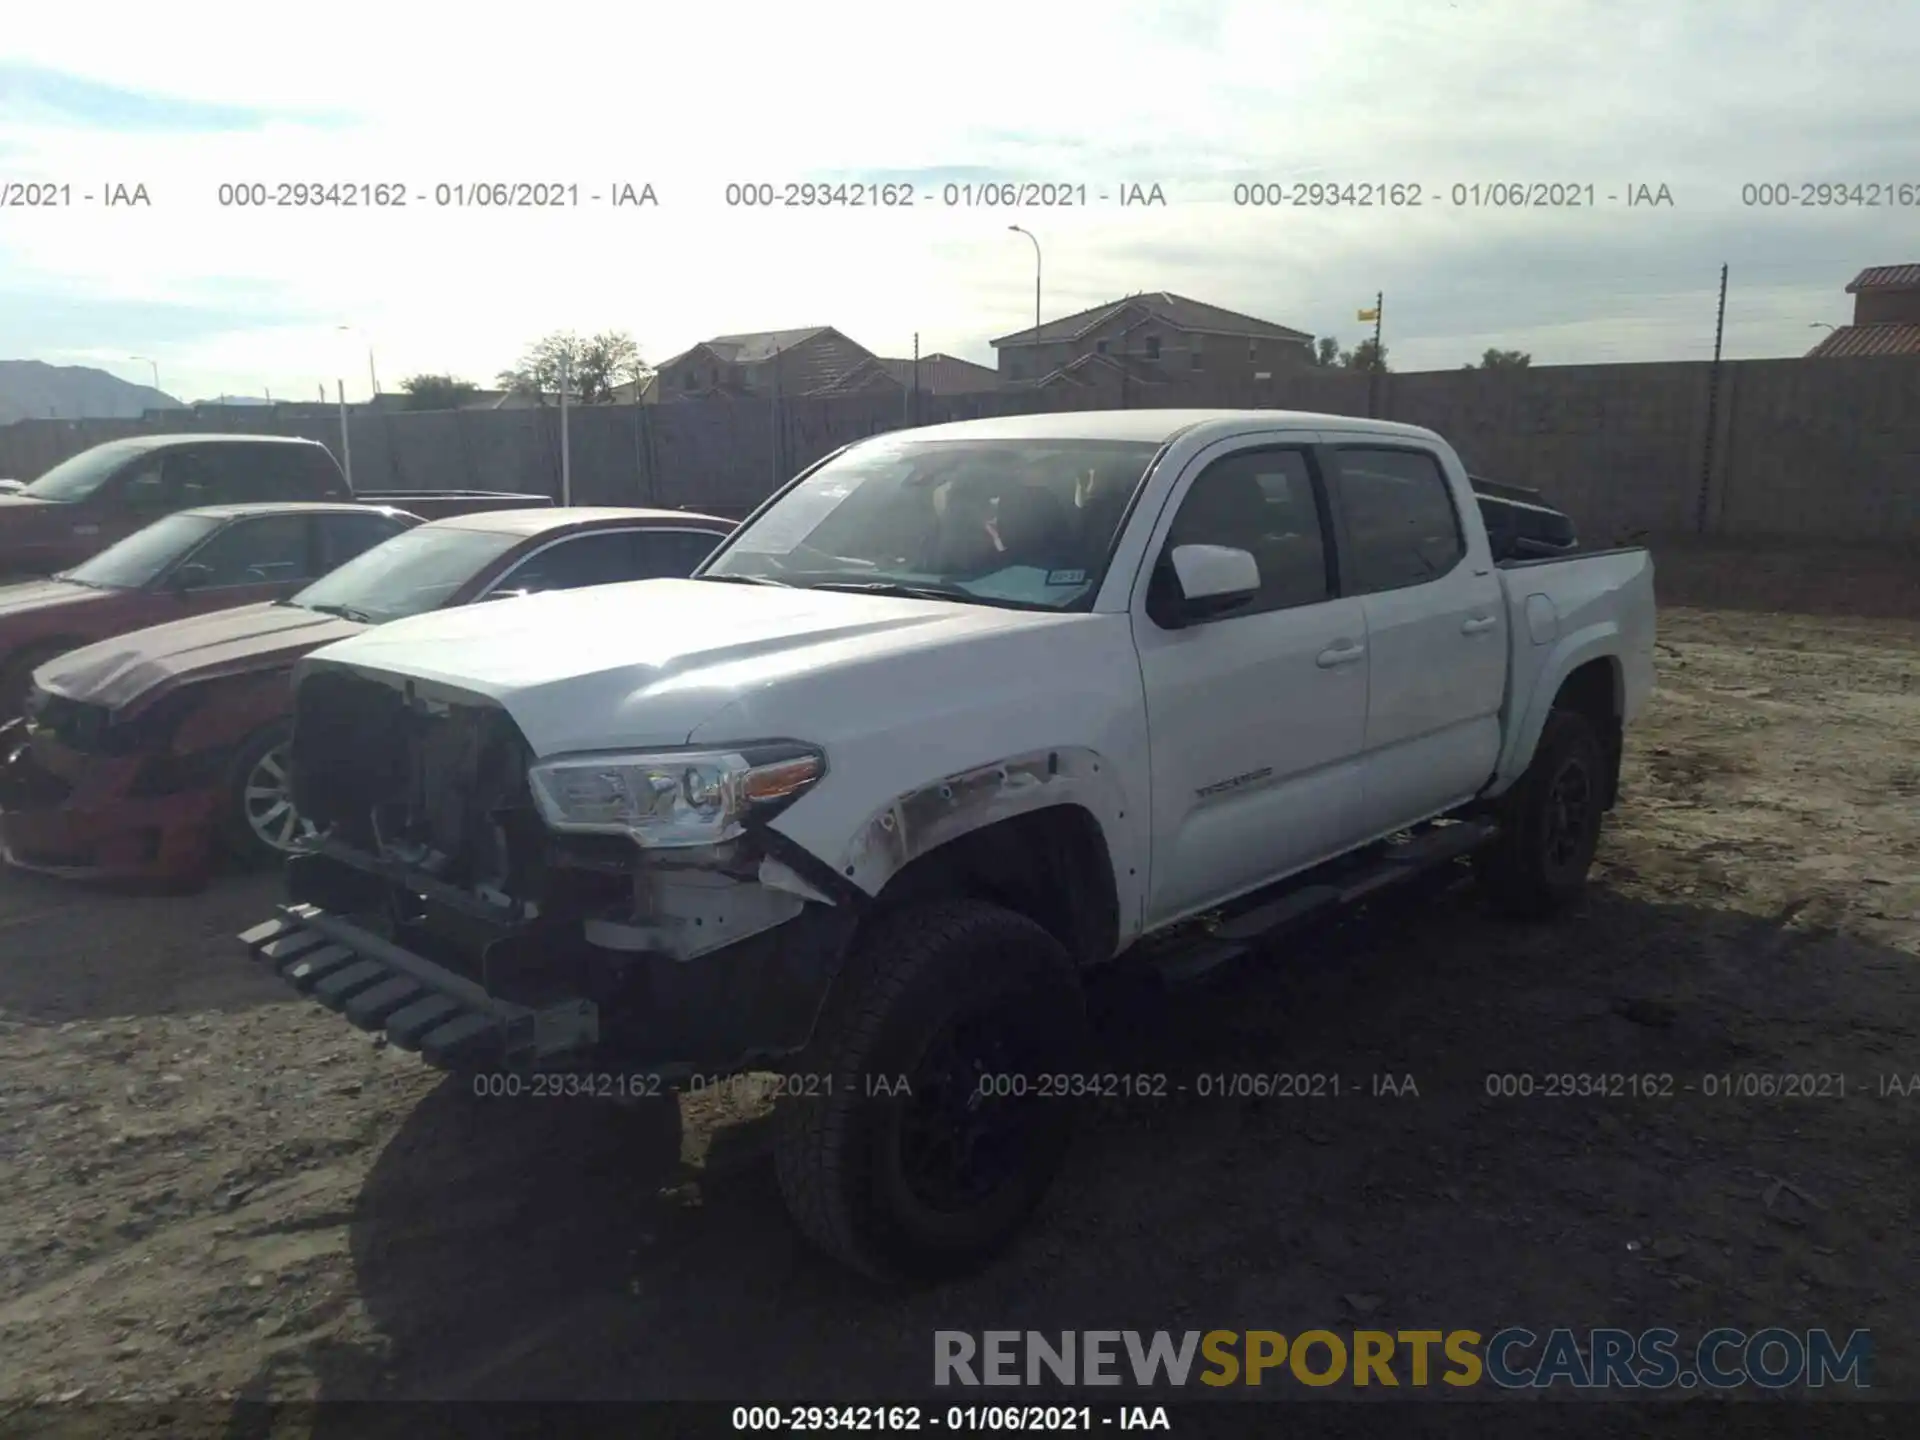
column 1194, row 97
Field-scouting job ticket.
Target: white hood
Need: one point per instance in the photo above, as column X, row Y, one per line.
column 647, row 662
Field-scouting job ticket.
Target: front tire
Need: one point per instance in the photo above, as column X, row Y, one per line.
column 258, row 824
column 1550, row 822
column 918, row 1142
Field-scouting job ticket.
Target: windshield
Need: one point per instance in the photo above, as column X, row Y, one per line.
column 1024, row 523
column 412, row 573
column 79, row 477
column 141, row 557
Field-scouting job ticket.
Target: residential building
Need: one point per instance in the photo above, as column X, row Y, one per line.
column 934, row 374
column 1886, row 316
column 644, row 391
column 1149, row 340
column 790, row 363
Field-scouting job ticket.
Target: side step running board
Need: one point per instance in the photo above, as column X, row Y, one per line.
column 1321, row 892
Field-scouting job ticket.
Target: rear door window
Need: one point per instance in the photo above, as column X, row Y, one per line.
column 670, row 554
column 1401, row 525
column 344, row 536
column 603, row 558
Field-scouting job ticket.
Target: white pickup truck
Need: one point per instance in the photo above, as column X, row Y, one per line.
column 958, row 719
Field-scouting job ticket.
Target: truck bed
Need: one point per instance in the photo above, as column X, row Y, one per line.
column 1561, row 611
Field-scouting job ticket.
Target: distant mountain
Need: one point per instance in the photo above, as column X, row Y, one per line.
column 35, row 390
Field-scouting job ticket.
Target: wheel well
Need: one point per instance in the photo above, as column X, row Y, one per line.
column 1594, row 690
column 1050, row 865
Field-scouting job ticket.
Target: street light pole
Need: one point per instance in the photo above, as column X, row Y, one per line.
column 566, row 454
column 373, row 379
column 156, row 369
column 1020, row 230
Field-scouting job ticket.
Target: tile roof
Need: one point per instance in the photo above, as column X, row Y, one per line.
column 939, row 375
column 817, row 367
column 761, row 345
column 1893, row 337
column 1886, row 277
column 1175, row 310
column 1093, row 368
column 750, row 348
column 945, row 374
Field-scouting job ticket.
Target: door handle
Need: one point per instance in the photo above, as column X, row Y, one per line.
column 1339, row 655
column 1478, row 625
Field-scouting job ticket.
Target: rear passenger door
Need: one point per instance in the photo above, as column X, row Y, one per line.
column 1257, row 715
column 1436, row 630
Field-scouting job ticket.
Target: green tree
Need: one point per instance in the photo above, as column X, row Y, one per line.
column 437, row 392
column 1502, row 360
column 1324, row 351
column 1367, row 355
column 594, row 366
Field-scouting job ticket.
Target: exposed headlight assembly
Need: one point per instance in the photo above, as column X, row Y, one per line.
column 672, row 799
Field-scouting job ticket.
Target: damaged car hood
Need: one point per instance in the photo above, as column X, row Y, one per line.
column 645, row 663
column 145, row 664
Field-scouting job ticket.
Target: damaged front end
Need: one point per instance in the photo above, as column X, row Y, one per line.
column 490, row 910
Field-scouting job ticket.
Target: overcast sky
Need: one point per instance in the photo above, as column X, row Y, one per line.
column 1703, row 98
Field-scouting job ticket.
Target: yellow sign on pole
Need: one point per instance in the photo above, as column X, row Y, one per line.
column 1373, row 314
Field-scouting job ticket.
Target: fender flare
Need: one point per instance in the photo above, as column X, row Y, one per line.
column 1600, row 640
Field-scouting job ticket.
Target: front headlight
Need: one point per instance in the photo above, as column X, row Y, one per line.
column 669, row 799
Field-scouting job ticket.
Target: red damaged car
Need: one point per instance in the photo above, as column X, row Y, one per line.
column 213, row 557
column 141, row 757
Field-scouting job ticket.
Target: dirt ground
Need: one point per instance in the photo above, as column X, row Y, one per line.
column 213, row 1190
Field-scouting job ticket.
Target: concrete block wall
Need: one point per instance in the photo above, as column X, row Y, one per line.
column 1825, row 451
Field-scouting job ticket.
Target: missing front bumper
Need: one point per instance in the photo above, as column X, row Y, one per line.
column 749, row 1005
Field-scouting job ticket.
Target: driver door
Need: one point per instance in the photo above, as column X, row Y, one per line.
column 1257, row 716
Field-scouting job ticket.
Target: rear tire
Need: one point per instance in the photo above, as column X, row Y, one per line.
column 1550, row 822
column 963, row 1000
column 253, row 830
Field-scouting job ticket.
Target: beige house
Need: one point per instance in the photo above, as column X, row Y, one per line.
column 1148, row 340
column 790, row 363
column 1886, row 316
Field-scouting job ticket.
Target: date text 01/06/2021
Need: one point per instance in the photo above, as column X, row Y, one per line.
column 442, row 195
column 1206, row 1085
column 954, row 195
column 954, row 1419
